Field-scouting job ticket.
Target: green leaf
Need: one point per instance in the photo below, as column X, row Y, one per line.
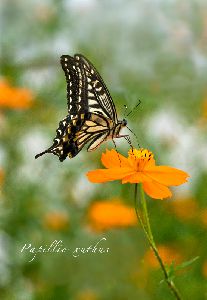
column 186, row 263
column 171, row 270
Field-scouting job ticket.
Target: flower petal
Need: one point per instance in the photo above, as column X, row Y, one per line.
column 102, row 175
column 136, row 177
column 150, row 163
column 166, row 175
column 113, row 159
column 156, row 190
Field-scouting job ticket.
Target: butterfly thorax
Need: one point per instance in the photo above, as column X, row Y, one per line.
column 115, row 130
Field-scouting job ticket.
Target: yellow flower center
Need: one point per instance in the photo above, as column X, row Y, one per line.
column 140, row 158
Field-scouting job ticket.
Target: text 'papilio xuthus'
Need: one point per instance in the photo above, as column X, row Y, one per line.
column 91, row 115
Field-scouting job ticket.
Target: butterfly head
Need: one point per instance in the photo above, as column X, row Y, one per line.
column 124, row 122
column 119, row 126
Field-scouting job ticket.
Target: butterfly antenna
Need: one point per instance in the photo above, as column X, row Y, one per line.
column 135, row 136
column 134, row 108
column 125, row 106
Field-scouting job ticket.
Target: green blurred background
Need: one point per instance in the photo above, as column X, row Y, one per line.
column 155, row 51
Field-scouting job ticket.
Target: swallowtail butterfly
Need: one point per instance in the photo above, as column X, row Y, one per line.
column 91, row 115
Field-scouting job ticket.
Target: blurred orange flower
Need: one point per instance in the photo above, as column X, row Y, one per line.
column 168, row 255
column 139, row 167
column 204, row 109
column 56, row 221
column 204, row 269
column 185, row 208
column 105, row 215
column 11, row 97
column 1, row 176
column 87, row 295
column 203, row 217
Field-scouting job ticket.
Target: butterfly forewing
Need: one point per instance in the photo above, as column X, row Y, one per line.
column 72, row 79
column 99, row 98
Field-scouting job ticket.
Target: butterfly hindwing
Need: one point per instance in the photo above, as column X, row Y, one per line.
column 91, row 129
column 73, row 134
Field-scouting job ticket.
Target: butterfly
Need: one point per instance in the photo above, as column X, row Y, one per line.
column 91, row 115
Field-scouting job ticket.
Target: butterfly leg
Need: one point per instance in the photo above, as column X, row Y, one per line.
column 127, row 138
column 116, row 150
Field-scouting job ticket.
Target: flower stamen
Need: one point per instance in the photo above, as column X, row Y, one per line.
column 140, row 158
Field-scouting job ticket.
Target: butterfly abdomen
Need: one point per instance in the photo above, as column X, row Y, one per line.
column 70, row 150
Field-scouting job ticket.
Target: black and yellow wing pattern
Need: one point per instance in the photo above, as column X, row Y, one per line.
column 91, row 112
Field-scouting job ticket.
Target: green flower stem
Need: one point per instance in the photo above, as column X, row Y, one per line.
column 145, row 224
column 146, row 216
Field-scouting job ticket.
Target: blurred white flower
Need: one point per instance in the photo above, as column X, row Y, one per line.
column 185, row 143
column 33, row 143
column 82, row 190
column 200, row 61
column 38, row 78
column 2, row 157
column 80, row 5
column 5, row 260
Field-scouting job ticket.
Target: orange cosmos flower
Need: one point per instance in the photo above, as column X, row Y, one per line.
column 185, row 208
column 204, row 269
column 139, row 167
column 56, row 221
column 1, row 176
column 87, row 294
column 11, row 97
column 204, row 109
column 105, row 215
column 203, row 217
column 168, row 255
